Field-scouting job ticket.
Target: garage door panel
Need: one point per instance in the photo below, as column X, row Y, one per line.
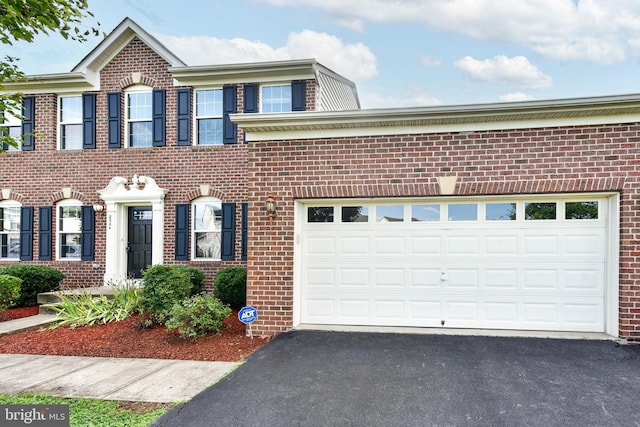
column 529, row 275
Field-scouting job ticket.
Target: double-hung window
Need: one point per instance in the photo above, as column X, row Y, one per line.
column 276, row 99
column 70, row 122
column 139, row 117
column 209, row 116
column 13, row 128
column 69, row 230
column 9, row 230
column 207, row 227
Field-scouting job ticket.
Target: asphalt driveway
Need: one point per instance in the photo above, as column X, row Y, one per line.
column 313, row 378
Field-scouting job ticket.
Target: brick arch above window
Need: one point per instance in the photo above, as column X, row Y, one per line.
column 136, row 79
column 205, row 191
column 11, row 195
column 59, row 195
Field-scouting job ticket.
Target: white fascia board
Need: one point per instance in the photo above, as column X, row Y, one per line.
column 457, row 118
column 256, row 72
column 55, row 83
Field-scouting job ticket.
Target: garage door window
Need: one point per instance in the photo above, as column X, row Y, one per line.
column 355, row 214
column 539, row 211
column 386, row 213
column 463, row 212
column 581, row 210
column 500, row 212
column 424, row 213
column 320, row 214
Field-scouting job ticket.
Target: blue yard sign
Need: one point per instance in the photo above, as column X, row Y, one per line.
column 247, row 315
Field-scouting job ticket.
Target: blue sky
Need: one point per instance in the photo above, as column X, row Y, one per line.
column 400, row 53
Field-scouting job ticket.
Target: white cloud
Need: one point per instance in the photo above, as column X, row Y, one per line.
column 515, row 72
column 354, row 61
column 515, row 97
column 412, row 99
column 594, row 30
column 430, row 62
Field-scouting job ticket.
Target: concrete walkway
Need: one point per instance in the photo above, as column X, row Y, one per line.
column 139, row 380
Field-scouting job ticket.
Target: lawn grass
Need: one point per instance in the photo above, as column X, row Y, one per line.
column 94, row 412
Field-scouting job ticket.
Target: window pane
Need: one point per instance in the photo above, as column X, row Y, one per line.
column 15, row 132
column 276, row 99
column 208, row 216
column 70, row 245
column 140, row 134
column 422, row 213
column 209, row 131
column 140, row 106
column 70, row 220
column 207, row 245
column 10, row 245
column 581, row 210
column 71, row 109
column 72, row 137
column 10, row 219
column 501, row 212
column 535, row 211
column 209, row 103
column 319, row 214
column 355, row 214
column 390, row 213
column 463, row 212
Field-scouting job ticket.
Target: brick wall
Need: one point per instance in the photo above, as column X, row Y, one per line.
column 37, row 177
column 555, row 160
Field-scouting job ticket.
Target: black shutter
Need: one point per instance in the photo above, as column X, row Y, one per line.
column 184, row 116
column 45, row 234
column 114, row 119
column 298, row 95
column 245, row 229
column 158, row 119
column 88, row 120
column 28, row 122
column 250, row 98
column 88, row 233
column 182, row 232
column 228, row 232
column 3, row 132
column 26, row 233
column 229, row 98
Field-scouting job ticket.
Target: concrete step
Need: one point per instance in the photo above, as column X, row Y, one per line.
column 26, row 323
column 46, row 309
column 54, row 297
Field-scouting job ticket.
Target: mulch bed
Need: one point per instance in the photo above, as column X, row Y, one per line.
column 17, row 313
column 127, row 339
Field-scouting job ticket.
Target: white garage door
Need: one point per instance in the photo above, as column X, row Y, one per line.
column 526, row 263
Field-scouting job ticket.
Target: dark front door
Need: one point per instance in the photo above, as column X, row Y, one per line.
column 139, row 244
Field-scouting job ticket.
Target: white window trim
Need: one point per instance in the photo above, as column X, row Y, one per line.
column 202, row 200
column 11, row 204
column 262, row 97
column 136, row 89
column 196, row 117
column 61, row 123
column 60, row 204
column 11, row 121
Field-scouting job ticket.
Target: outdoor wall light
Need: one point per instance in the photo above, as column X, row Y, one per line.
column 270, row 206
column 98, row 208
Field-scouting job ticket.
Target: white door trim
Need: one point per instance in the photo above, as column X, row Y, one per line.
column 118, row 196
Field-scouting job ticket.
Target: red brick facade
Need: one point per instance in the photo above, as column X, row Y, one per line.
column 530, row 161
column 36, row 178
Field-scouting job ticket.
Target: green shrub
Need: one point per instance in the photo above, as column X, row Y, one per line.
column 164, row 286
column 196, row 277
column 35, row 279
column 197, row 316
column 231, row 286
column 9, row 290
column 83, row 309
